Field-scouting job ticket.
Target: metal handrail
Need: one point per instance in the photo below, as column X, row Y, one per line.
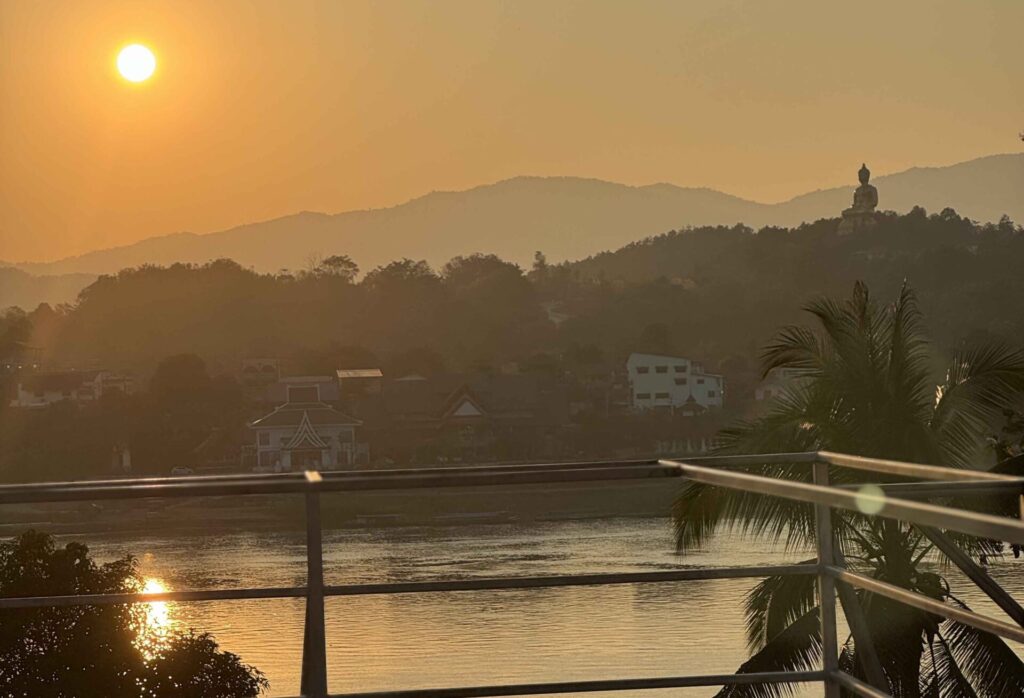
column 711, row 470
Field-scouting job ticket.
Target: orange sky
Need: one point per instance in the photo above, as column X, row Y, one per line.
column 260, row 109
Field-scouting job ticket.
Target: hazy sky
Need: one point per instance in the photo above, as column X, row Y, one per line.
column 260, row 109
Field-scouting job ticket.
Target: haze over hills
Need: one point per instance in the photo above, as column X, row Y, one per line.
column 28, row 290
column 565, row 217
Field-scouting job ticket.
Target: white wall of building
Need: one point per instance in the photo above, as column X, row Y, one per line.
column 87, row 389
column 272, row 453
column 669, row 381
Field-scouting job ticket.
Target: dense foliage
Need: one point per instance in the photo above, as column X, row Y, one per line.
column 79, row 651
column 712, row 294
column 718, row 294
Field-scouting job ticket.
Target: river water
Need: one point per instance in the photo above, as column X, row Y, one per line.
column 472, row 638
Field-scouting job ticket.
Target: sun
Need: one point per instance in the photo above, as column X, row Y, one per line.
column 136, row 63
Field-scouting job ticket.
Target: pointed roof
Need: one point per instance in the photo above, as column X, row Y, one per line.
column 462, row 403
column 292, row 414
column 306, row 436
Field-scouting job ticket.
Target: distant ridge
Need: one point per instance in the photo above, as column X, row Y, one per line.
column 565, row 217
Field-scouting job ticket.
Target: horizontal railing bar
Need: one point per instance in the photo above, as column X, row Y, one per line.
column 858, row 687
column 100, row 488
column 754, row 459
column 600, row 685
column 130, row 598
column 982, row 525
column 354, row 483
column 926, row 603
column 965, row 488
column 569, row 580
column 895, row 467
column 326, row 474
column 283, row 483
column 487, row 583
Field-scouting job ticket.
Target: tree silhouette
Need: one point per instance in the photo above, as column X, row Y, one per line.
column 867, row 391
column 79, row 651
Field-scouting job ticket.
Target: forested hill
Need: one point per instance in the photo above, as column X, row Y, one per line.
column 969, row 276
column 566, row 217
column 716, row 294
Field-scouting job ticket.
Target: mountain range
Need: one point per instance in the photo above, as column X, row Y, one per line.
column 565, row 217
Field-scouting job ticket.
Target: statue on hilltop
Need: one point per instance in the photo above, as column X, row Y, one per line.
column 861, row 215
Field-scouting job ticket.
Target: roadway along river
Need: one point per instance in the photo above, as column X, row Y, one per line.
column 467, row 638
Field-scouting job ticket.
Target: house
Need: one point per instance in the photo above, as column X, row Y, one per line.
column 305, row 433
column 42, row 389
column 658, row 381
column 463, row 418
column 777, row 382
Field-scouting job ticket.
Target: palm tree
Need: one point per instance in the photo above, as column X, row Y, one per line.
column 865, row 389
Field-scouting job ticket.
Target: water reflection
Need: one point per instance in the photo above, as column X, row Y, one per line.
column 398, row 642
column 156, row 623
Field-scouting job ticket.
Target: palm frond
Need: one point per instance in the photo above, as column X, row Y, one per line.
column 794, row 347
column 979, row 383
column 701, row 510
column 796, row 648
column 993, row 668
column 941, row 676
column 775, row 603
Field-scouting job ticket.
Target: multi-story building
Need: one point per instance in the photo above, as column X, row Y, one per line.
column 47, row 388
column 672, row 382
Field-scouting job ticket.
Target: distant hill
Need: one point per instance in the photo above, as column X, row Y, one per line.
column 28, row 290
column 565, row 217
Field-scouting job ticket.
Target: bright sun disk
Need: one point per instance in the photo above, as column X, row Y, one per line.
column 136, row 63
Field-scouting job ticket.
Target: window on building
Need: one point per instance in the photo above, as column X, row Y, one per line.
column 643, row 396
column 264, row 438
column 643, row 369
column 661, row 396
column 700, row 381
column 679, row 368
column 661, row 369
column 711, row 393
column 680, row 381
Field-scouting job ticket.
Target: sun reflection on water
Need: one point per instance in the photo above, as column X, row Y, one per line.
column 156, row 624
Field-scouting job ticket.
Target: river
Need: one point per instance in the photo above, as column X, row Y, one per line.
column 472, row 638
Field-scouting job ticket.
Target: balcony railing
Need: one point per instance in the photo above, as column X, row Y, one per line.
column 899, row 501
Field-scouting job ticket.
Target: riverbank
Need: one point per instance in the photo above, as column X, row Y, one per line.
column 383, row 508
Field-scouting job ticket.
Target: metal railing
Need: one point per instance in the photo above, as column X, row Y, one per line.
column 833, row 576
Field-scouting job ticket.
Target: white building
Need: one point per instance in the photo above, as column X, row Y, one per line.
column 673, row 382
column 306, row 433
column 42, row 389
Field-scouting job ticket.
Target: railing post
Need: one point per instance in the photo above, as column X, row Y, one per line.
column 314, row 637
column 826, row 587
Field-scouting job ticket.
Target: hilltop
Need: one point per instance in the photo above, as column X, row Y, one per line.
column 565, row 217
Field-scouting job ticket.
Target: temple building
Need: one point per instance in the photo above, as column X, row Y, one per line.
column 305, row 433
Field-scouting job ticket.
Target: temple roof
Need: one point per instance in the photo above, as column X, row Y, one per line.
column 306, row 436
column 293, row 414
